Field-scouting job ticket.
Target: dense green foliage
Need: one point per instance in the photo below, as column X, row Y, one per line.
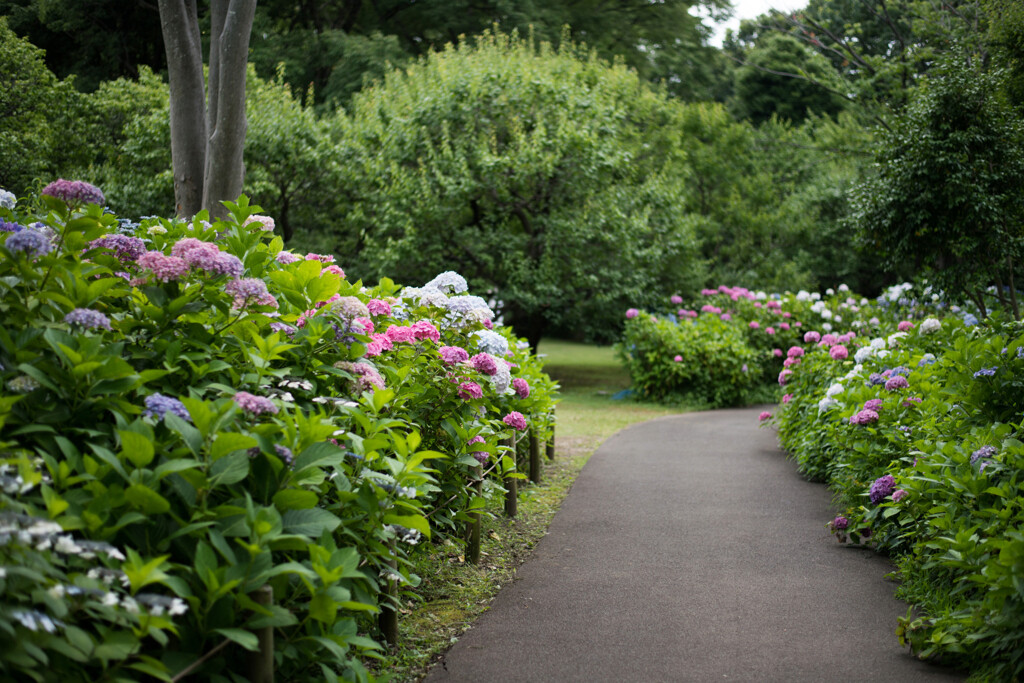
column 195, row 413
column 919, row 435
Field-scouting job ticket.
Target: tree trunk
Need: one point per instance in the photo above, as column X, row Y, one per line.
column 179, row 22
column 230, row 28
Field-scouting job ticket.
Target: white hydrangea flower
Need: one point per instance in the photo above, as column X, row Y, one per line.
column 448, row 282
column 830, row 291
column 7, row 199
column 826, row 404
column 827, row 327
column 803, row 295
column 815, row 296
column 929, row 326
column 895, row 339
column 877, row 343
column 884, row 353
column 178, row 606
column 844, row 288
column 826, row 314
column 835, row 390
column 863, row 354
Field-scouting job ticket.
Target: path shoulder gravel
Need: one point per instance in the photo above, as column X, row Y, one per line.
column 689, row 549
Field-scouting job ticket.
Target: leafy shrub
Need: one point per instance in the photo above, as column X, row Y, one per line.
column 233, row 416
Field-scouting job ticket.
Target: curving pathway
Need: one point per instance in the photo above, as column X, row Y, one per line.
column 689, row 549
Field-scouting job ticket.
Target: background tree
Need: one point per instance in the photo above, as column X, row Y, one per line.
column 207, row 130
column 545, row 176
column 946, row 197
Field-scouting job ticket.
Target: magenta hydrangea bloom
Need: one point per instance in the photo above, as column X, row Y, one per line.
column 365, row 376
column 485, row 363
column 784, row 376
column 75, row 192
column 786, row 398
column 899, row 494
column 322, row 258
column 453, row 354
column 515, row 421
column 874, row 404
column 522, row 387
column 164, row 268
column 257, row 405
column 378, row 307
column 864, row 417
column 334, row 269
column 840, row 523
column 366, row 324
column 632, row 313
column 882, row 488
column 385, row 343
column 896, row 382
column 812, row 337
column 470, row 390
column 765, row 415
column 400, row 334
column 677, row 359
column 676, row 299
column 905, row 326
column 838, row 352
column 777, row 353
column 424, row 329
column 795, row 351
column 88, row 319
column 481, row 456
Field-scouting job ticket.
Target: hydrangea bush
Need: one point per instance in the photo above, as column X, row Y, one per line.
column 918, row 432
column 227, row 415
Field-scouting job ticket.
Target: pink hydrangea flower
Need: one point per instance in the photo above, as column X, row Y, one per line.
column 515, row 421
column 366, row 324
column 521, row 386
column 304, row 317
column 385, row 343
column 678, row 359
column 164, row 268
column 784, row 326
column 899, row 494
column 786, row 398
column 373, row 349
column 777, row 352
column 334, row 269
column 322, row 258
column 905, row 326
column 812, row 337
column 378, row 307
column 286, row 257
column 453, row 354
column 423, row 329
column 265, row 223
column 676, row 299
column 897, row 382
column 838, row 352
column 769, row 330
column 470, row 390
column 795, row 351
column 400, row 334
column 250, row 291
column 790, row 362
column 726, row 317
column 874, row 404
column 485, row 363
column 632, row 313
column 765, row 415
column 784, row 376
column 864, row 417
column 754, row 325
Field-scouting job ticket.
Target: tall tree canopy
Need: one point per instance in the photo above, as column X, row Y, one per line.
column 548, row 177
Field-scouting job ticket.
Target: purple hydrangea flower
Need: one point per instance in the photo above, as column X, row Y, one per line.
column 30, row 242
column 250, row 291
column 896, row 382
column 864, row 417
column 257, row 405
column 874, row 404
column 899, row 494
column 986, row 372
column 983, row 453
column 882, row 488
column 282, row 327
column 126, row 248
column 158, row 405
column 874, row 379
column 481, row 456
column 365, row 376
column 87, row 318
column 164, row 268
column 75, row 192
column 17, row 227
column 286, row 257
column 840, row 523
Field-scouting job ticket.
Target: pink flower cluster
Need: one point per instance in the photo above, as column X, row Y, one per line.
column 265, row 223
column 400, row 334
column 515, row 420
column 485, row 363
column 423, row 329
column 453, row 354
column 74, row 192
column 864, row 417
column 164, row 268
column 522, row 387
column 250, row 292
column 905, row 326
column 812, row 337
column 632, row 313
column 765, row 415
column 896, row 382
column 708, row 308
column 334, row 269
column 683, row 313
column 322, row 258
column 286, row 257
column 378, row 307
column 207, row 256
column 838, row 352
column 470, row 390
column 257, row 405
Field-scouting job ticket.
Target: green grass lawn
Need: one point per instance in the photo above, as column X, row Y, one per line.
column 454, row 592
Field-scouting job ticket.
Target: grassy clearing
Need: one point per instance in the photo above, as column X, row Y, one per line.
column 455, row 592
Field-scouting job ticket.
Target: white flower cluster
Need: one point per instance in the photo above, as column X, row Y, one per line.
column 896, row 292
column 835, row 390
column 7, row 199
column 303, row 384
column 491, row 342
column 929, row 326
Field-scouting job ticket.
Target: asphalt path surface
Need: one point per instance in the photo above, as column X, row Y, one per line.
column 689, row 549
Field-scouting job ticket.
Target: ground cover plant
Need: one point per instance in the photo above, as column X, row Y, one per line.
column 192, row 417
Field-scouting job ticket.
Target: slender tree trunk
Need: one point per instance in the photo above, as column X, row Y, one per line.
column 180, row 25
column 231, row 26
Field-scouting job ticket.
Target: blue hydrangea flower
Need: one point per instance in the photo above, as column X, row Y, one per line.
column 491, row 342
column 970, row 320
column 10, row 227
column 7, row 199
column 158, row 405
column 88, row 319
column 28, row 241
column 986, row 372
column 984, row 452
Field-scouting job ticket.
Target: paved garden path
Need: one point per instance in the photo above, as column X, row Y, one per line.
column 690, row 550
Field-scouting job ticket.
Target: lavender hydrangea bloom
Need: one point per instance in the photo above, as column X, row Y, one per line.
column 986, row 372
column 158, row 405
column 840, row 523
column 896, row 382
column 225, row 264
column 87, row 318
column 874, row 379
column 74, row 192
column 984, row 452
column 30, row 242
column 462, row 305
column 882, row 488
column 257, row 405
column 126, row 248
column 11, row 227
